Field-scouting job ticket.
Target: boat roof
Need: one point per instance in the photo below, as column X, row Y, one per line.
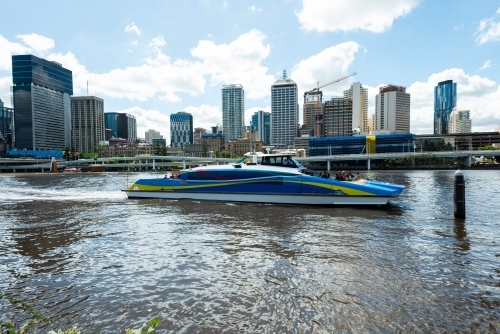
column 260, row 154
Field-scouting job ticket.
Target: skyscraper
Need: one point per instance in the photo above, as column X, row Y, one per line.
column 460, row 121
column 445, row 99
column 110, row 122
column 337, row 117
column 359, row 97
column 311, row 110
column 233, row 112
column 261, row 121
column 42, row 111
column 6, row 117
column 181, row 129
column 126, row 127
column 284, row 111
column 392, row 109
column 87, row 120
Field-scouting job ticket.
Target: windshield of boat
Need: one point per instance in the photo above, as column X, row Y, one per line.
column 298, row 164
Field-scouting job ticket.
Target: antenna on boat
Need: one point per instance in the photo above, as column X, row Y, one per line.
column 250, row 136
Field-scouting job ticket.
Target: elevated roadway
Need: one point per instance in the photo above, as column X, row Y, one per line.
column 178, row 162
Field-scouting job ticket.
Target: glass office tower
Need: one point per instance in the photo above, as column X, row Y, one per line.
column 445, row 99
column 127, row 127
column 110, row 122
column 42, row 106
column 5, row 123
column 181, row 129
column 261, row 122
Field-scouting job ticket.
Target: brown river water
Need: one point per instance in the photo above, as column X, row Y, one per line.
column 77, row 249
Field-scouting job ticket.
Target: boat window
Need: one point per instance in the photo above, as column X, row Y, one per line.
column 288, row 162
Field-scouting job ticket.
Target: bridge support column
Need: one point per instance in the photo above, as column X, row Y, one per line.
column 328, row 165
column 368, row 164
column 184, row 164
column 468, row 161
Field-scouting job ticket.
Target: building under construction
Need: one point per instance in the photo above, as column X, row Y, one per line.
column 312, row 110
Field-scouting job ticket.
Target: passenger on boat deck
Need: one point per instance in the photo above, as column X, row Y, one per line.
column 343, row 176
column 350, row 176
column 358, row 177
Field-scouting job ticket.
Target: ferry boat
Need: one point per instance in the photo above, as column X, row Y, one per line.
column 264, row 178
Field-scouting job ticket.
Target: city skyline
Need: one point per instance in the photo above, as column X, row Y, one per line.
column 143, row 61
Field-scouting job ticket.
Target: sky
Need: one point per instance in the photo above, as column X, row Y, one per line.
column 154, row 58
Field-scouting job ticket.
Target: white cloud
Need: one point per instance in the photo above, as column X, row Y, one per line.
column 163, row 78
column 459, row 27
column 326, row 66
column 132, row 28
column 134, row 42
column 205, row 116
column 487, row 64
column 345, row 15
column 37, row 42
column 7, row 49
column 157, row 76
column 488, row 30
column 253, row 8
column 239, row 62
column 150, row 119
column 158, row 41
column 479, row 95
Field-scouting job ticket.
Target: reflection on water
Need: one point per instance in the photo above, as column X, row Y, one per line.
column 79, row 250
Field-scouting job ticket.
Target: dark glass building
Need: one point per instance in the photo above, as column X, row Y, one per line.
column 445, row 99
column 127, row 127
column 181, row 129
column 121, row 125
column 6, row 124
column 110, row 122
column 261, row 121
column 42, row 105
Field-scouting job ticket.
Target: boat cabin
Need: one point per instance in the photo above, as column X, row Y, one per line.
column 276, row 160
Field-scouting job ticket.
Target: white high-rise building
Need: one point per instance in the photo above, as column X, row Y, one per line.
column 392, row 109
column 284, row 111
column 152, row 134
column 233, row 112
column 460, row 121
column 359, row 97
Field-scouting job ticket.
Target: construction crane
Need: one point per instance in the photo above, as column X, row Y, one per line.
column 318, row 105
